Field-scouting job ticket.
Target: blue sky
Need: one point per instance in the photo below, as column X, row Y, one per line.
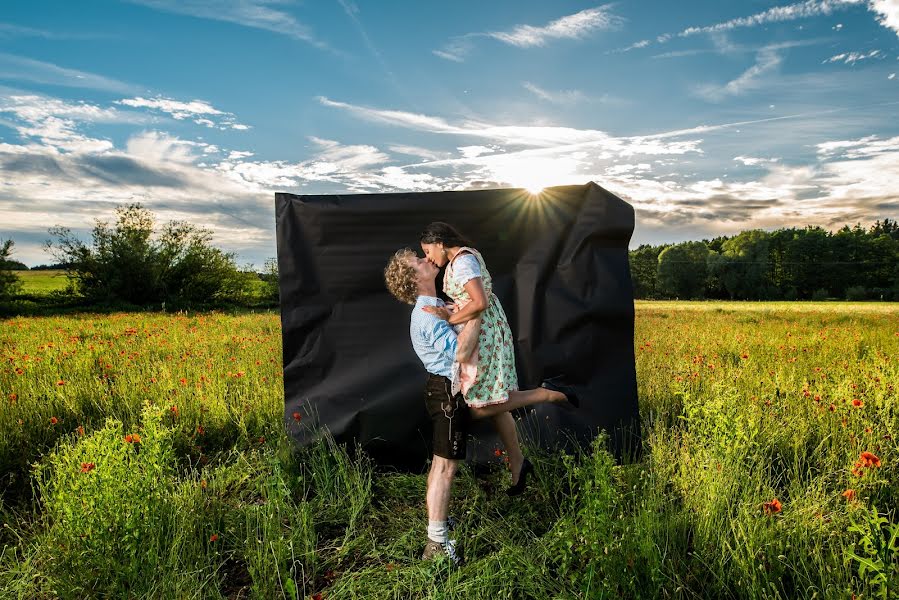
column 709, row 117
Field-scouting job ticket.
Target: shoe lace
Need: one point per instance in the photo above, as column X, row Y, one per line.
column 450, row 548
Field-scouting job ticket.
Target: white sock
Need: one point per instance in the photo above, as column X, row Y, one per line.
column 437, row 531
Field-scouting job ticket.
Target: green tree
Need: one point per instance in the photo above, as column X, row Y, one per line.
column 742, row 268
column 683, row 271
column 10, row 284
column 644, row 263
column 128, row 262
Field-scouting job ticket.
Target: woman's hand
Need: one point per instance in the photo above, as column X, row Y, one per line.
column 440, row 312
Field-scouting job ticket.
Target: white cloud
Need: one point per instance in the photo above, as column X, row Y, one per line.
column 791, row 12
column 564, row 97
column 891, row 76
column 21, row 68
column 887, row 13
column 56, row 123
column 576, row 26
column 199, row 111
column 257, row 14
column 766, row 61
column 634, row 46
column 474, row 151
column 750, row 161
column 850, row 58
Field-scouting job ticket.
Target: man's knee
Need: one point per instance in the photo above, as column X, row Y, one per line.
column 444, row 467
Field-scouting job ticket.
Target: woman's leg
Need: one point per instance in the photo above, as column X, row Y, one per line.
column 504, row 424
column 517, row 399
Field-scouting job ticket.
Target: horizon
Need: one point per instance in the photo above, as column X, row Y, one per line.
column 708, row 119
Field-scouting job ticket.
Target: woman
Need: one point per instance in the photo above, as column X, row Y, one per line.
column 489, row 381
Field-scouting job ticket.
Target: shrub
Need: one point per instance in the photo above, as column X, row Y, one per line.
column 129, row 262
column 819, row 295
column 856, row 292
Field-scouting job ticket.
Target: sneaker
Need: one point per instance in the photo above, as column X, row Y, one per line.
column 434, row 549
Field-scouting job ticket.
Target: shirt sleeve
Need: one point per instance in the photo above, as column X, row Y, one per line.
column 442, row 337
column 466, row 268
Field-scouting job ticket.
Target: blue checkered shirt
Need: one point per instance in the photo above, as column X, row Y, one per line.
column 433, row 339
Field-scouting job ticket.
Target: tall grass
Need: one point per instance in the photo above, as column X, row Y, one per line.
column 144, row 456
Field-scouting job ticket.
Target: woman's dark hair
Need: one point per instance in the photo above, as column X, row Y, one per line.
column 439, row 232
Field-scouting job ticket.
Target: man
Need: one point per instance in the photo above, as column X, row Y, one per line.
column 411, row 280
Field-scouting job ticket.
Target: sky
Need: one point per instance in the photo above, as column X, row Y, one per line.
column 710, row 117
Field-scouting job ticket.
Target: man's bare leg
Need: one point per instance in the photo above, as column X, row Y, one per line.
column 440, row 483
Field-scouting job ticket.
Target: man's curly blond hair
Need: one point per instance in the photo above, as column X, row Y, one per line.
column 400, row 276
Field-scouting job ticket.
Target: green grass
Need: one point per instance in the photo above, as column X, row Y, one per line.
column 42, row 282
column 741, row 405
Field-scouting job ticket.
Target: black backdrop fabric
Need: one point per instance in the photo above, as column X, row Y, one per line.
column 559, row 262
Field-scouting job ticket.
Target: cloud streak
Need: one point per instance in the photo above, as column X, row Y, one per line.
column 576, row 26
column 21, row 68
column 256, row 14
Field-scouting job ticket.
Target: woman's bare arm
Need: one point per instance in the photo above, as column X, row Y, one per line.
column 467, row 341
column 474, row 308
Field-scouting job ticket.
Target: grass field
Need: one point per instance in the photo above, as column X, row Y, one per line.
column 42, row 282
column 144, row 456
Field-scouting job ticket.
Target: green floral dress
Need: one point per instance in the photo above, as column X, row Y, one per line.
column 494, row 375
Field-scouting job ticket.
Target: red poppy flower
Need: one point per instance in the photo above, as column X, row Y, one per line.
column 13, row 397
column 297, row 417
column 53, row 420
column 497, row 452
column 61, row 382
column 203, row 483
column 214, row 537
column 128, row 439
column 745, row 356
column 773, row 506
column 857, row 403
column 849, row 495
column 80, row 430
column 87, row 467
column 869, row 459
column 135, row 437
column 200, row 430
column 174, row 409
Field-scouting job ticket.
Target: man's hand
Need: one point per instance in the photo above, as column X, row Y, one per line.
column 440, row 312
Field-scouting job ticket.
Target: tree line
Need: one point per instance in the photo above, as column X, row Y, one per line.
column 135, row 262
column 808, row 263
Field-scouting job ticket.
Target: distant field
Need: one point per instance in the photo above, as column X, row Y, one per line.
column 42, row 282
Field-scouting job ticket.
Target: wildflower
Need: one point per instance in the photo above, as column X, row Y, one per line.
column 203, row 484
column 772, row 507
column 13, row 397
column 53, row 420
column 61, row 382
column 869, row 459
column 87, row 467
column 214, row 537
column 20, row 371
column 80, row 430
column 128, row 439
column 297, row 417
column 183, row 381
column 849, row 495
column 744, row 356
column 497, row 452
column 174, row 409
column 200, row 430
column 857, row 403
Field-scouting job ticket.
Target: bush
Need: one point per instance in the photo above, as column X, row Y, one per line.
column 128, row 262
column 819, row 295
column 856, row 292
